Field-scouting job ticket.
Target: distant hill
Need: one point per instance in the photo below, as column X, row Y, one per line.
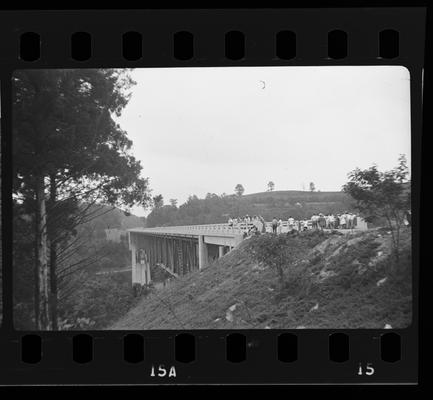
column 281, row 204
column 109, row 218
column 297, row 195
column 129, row 221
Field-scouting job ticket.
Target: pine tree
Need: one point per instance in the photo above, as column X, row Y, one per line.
column 69, row 156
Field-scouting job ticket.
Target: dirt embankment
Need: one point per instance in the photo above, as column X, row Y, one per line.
column 338, row 281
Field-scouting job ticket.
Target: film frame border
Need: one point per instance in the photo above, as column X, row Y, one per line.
column 208, row 27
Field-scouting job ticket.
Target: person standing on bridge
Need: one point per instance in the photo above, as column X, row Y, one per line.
column 256, row 223
column 322, row 221
column 331, row 221
column 314, row 221
column 350, row 217
column 291, row 223
column 263, row 222
column 280, row 226
column 349, row 220
column 274, row 225
column 337, row 221
column 343, row 221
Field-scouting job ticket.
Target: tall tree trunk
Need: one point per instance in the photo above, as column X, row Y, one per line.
column 42, row 260
column 36, row 271
column 53, row 257
column 53, row 285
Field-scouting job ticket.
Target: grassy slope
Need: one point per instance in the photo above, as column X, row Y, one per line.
column 337, row 274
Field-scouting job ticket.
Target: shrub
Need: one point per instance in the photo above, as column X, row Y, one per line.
column 272, row 251
column 281, row 251
column 99, row 301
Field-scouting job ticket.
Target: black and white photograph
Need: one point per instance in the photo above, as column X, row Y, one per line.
column 212, row 198
column 1, row 242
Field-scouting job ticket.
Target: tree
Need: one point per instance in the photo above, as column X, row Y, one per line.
column 239, row 189
column 69, row 155
column 272, row 251
column 173, row 202
column 211, row 196
column 279, row 252
column 271, row 186
column 312, row 187
column 158, row 201
column 382, row 195
column 193, row 198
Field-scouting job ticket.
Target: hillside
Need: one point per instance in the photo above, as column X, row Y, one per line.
column 115, row 218
column 336, row 281
column 297, row 195
column 281, row 204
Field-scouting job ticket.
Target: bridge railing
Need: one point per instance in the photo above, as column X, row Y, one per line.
column 239, row 228
column 236, row 229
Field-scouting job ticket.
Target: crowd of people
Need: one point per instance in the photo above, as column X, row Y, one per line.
column 257, row 224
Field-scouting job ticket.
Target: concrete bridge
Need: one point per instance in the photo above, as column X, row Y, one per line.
column 179, row 249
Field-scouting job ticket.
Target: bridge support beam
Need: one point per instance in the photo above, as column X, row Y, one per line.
column 144, row 268
column 133, row 263
column 202, row 253
column 220, row 251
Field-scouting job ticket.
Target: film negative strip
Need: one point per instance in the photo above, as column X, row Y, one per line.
column 306, row 272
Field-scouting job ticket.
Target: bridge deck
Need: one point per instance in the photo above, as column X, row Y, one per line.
column 223, row 230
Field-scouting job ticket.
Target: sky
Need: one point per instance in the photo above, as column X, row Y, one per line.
column 201, row 130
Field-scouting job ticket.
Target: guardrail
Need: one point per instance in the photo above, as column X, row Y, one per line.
column 234, row 230
column 237, row 228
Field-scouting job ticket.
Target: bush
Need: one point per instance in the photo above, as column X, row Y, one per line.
column 99, row 301
column 272, row 250
column 281, row 251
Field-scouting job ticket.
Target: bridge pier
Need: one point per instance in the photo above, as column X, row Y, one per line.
column 220, row 251
column 139, row 264
column 133, row 262
column 143, row 267
column 203, row 258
